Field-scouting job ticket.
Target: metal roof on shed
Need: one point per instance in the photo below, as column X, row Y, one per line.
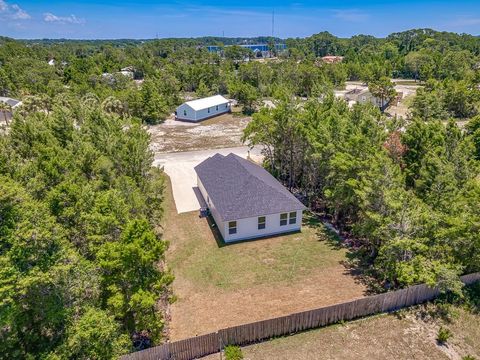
column 207, row 102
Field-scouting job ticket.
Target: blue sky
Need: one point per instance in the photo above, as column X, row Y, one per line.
column 88, row 19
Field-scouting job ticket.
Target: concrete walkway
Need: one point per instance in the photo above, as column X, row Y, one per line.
column 179, row 166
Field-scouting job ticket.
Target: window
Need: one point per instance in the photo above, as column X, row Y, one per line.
column 226, row 105
column 216, row 108
column 209, row 110
column 261, row 222
column 293, row 218
column 283, row 219
column 184, row 112
column 232, row 227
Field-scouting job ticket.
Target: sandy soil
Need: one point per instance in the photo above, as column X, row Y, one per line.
column 221, row 131
column 401, row 336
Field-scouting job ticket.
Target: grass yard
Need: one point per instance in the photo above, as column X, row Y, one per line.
column 402, row 336
column 220, row 285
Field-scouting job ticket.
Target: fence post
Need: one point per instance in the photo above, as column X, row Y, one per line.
column 220, row 345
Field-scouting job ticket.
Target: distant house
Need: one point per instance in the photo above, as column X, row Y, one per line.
column 201, row 109
column 51, row 62
column 330, row 59
column 245, row 201
column 6, row 115
column 128, row 71
column 363, row 96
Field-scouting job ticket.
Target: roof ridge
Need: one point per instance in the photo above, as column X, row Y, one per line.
column 241, row 161
column 241, row 188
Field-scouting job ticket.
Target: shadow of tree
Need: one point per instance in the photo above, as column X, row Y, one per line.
column 356, row 264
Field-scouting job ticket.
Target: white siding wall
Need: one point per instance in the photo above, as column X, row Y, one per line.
column 211, row 206
column 199, row 115
column 204, row 113
column 248, row 228
column 189, row 111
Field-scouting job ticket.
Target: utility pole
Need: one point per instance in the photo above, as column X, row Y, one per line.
column 273, row 22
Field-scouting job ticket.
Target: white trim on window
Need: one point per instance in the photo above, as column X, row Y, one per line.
column 262, row 222
column 232, row 227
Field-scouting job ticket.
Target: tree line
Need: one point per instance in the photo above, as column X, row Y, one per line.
column 171, row 68
column 81, row 253
column 406, row 193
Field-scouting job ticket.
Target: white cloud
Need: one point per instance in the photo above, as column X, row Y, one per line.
column 19, row 13
column 72, row 19
column 12, row 12
column 351, row 15
column 3, row 6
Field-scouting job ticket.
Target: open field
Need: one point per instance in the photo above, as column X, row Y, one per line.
column 405, row 335
column 222, row 131
column 219, row 286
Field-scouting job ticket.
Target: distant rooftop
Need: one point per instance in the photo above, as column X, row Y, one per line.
column 207, row 102
column 253, row 47
column 12, row 102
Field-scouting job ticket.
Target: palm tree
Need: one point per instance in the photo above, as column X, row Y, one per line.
column 5, row 109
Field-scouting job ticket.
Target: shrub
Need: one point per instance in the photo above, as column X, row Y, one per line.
column 469, row 357
column 443, row 335
column 233, row 353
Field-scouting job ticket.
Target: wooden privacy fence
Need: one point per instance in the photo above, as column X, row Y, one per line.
column 203, row 345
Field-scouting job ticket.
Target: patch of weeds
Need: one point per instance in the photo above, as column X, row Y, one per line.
column 172, row 299
column 443, row 311
column 443, row 335
column 472, row 297
column 233, row 352
column 469, row 357
column 401, row 314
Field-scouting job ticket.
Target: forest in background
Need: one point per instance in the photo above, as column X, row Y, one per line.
column 81, row 248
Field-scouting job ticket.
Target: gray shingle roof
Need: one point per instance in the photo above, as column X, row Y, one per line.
column 9, row 101
column 241, row 189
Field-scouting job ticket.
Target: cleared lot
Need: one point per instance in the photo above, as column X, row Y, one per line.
column 179, row 167
column 220, row 285
column 219, row 132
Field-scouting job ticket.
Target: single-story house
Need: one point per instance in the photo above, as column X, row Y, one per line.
column 13, row 104
column 201, row 109
column 245, row 200
column 363, row 96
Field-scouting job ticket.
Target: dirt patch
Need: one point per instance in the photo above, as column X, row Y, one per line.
column 404, row 335
column 220, row 286
column 221, row 131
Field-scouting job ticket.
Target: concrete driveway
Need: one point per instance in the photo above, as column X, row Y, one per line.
column 179, row 166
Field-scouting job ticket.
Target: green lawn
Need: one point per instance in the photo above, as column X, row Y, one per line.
column 279, row 259
column 219, row 285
